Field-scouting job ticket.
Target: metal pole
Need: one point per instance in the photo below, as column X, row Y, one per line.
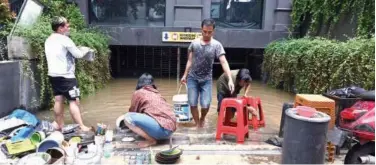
column 169, row 65
column 178, row 68
column 118, row 61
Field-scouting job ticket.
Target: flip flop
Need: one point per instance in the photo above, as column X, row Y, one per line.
column 275, row 141
column 92, row 129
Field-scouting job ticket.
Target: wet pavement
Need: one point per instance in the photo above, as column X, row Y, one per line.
column 107, row 104
column 199, row 145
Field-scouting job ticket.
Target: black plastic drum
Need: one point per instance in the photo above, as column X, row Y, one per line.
column 304, row 138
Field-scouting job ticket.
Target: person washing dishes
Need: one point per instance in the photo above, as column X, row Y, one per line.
column 150, row 116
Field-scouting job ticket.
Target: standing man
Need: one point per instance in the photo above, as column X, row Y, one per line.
column 198, row 72
column 61, row 53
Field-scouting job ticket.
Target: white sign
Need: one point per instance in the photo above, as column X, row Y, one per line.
column 30, row 13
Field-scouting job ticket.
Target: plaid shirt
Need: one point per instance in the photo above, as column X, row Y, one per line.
column 149, row 101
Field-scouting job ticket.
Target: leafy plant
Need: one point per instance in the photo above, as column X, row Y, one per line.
column 6, row 15
column 62, row 8
column 90, row 75
column 315, row 65
column 317, row 13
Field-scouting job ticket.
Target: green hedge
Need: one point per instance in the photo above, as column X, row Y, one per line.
column 315, row 65
column 90, row 75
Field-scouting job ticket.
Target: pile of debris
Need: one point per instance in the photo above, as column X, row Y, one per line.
column 24, row 139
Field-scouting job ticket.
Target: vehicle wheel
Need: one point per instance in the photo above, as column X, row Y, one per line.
column 359, row 150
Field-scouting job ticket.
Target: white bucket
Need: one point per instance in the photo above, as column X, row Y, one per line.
column 181, row 107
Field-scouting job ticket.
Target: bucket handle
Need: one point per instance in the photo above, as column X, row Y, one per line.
column 186, row 88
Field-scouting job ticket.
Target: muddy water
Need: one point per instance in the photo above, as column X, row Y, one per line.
column 107, row 104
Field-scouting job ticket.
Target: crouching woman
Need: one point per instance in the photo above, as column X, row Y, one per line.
column 150, row 116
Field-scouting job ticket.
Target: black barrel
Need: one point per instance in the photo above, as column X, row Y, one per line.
column 285, row 107
column 304, row 139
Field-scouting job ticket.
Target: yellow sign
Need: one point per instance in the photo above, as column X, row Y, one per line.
column 179, row 36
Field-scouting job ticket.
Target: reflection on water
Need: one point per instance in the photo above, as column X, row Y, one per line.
column 107, row 104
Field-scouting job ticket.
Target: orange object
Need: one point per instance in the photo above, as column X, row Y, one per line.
column 320, row 103
column 238, row 128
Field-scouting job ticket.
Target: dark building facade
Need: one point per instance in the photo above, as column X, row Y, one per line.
column 241, row 23
column 138, row 27
column 244, row 27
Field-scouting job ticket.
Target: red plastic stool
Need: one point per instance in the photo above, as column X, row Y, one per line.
column 238, row 128
column 255, row 121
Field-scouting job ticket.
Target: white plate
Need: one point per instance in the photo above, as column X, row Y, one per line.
column 128, row 139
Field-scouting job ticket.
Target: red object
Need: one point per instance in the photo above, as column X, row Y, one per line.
column 256, row 120
column 359, row 119
column 238, row 128
column 306, row 111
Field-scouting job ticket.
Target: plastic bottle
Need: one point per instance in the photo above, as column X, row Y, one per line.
column 109, row 135
column 107, row 149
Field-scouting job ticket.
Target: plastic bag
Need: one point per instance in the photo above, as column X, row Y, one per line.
column 45, row 126
column 336, row 136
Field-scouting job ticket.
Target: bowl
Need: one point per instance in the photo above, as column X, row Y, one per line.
column 168, row 156
column 306, row 111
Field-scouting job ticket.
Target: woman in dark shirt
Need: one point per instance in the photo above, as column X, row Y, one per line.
column 242, row 80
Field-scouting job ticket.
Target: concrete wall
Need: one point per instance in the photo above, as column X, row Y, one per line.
column 16, row 87
column 190, row 13
column 9, row 86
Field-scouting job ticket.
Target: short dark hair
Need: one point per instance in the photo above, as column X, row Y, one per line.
column 145, row 79
column 244, row 74
column 208, row 22
column 57, row 22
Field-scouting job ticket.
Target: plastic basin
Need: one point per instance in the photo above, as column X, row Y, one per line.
column 306, row 111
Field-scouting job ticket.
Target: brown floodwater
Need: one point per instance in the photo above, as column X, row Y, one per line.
column 114, row 100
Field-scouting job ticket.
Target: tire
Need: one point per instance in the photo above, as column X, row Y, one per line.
column 359, row 150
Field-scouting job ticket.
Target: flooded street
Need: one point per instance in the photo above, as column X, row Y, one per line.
column 114, row 100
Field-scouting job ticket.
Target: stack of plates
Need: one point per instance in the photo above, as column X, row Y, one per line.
column 168, row 157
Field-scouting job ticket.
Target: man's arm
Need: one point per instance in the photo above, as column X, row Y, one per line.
column 220, row 52
column 74, row 50
column 226, row 69
column 189, row 64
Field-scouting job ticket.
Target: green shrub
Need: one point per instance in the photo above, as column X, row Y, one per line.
column 315, row 65
column 315, row 14
column 6, row 15
column 90, row 75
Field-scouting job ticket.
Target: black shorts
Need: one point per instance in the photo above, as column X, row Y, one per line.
column 68, row 87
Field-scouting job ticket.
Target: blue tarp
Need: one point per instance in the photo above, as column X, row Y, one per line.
column 29, row 119
column 23, row 133
column 26, row 116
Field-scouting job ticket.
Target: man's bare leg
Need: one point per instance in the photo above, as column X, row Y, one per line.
column 149, row 140
column 204, row 112
column 76, row 115
column 195, row 115
column 59, row 113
